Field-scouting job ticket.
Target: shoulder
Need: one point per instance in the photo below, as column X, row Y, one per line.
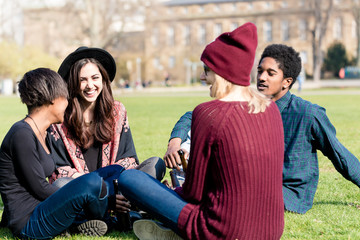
column 118, row 106
column 305, row 107
column 120, row 114
column 119, row 109
column 206, row 107
column 19, row 132
column 214, row 112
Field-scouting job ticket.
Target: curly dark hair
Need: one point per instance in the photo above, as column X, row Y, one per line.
column 288, row 59
column 40, row 87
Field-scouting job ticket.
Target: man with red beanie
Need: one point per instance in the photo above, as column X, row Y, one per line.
column 230, row 192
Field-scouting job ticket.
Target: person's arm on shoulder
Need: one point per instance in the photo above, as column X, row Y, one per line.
column 324, row 135
column 26, row 158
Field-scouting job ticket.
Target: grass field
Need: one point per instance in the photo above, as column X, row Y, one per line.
column 336, row 210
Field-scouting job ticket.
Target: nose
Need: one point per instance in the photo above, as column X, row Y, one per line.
column 89, row 83
column 261, row 76
column 202, row 76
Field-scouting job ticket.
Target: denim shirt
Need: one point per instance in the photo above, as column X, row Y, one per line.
column 306, row 130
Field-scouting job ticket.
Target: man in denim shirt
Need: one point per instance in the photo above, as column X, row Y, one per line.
column 306, row 129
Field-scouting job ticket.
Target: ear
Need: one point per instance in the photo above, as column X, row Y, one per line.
column 286, row 83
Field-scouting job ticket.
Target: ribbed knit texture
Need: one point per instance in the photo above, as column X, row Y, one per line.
column 234, row 177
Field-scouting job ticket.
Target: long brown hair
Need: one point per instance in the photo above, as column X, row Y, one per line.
column 101, row 129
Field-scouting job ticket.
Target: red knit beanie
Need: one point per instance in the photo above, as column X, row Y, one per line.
column 232, row 54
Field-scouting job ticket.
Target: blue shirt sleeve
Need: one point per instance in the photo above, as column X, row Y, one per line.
column 182, row 127
column 324, row 139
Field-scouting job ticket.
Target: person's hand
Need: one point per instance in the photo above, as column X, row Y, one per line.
column 76, row 175
column 122, row 205
column 172, row 158
column 167, row 184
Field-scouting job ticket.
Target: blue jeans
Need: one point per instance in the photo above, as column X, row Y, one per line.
column 152, row 196
column 55, row 214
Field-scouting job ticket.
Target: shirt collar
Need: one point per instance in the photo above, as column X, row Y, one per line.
column 283, row 101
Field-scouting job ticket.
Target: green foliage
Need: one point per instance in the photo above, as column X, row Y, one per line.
column 336, row 58
column 16, row 60
column 336, row 210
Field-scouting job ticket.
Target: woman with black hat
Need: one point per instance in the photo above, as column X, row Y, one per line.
column 96, row 131
column 233, row 184
column 33, row 208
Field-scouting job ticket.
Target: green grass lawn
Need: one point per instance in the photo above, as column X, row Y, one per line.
column 336, row 210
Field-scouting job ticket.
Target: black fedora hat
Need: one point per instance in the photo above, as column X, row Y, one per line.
column 106, row 60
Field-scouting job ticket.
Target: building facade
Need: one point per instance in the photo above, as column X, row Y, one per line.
column 177, row 31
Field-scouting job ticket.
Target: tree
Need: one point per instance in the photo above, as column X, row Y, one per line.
column 103, row 21
column 356, row 13
column 321, row 10
column 16, row 60
column 335, row 58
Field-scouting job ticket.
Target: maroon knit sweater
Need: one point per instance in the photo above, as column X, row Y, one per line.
column 234, row 177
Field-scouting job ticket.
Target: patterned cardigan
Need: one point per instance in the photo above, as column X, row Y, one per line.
column 69, row 158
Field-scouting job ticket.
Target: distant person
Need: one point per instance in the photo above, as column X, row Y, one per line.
column 167, row 79
column 306, row 128
column 301, row 79
column 230, row 192
column 33, row 208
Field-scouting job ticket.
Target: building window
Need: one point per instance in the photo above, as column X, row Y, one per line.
column 201, row 9
column 285, row 30
column 187, row 34
column 217, row 29
column 337, row 2
column 217, row 8
column 202, row 34
column 170, row 11
column 268, row 31
column 353, row 28
column 156, row 63
column 234, row 7
column 185, row 10
column 172, row 62
column 302, row 3
column 250, row 6
column 171, row 36
column 303, row 29
column 284, row 4
column 234, row 25
column 267, row 5
column 338, row 28
column 155, row 37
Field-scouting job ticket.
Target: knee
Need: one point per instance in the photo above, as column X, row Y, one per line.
column 60, row 182
column 91, row 183
column 154, row 166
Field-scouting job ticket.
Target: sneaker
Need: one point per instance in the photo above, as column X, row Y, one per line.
column 151, row 230
column 92, row 228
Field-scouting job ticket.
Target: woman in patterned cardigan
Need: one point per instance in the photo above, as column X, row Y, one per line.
column 96, row 131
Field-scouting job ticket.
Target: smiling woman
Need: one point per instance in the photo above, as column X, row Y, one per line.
column 96, row 131
column 91, row 85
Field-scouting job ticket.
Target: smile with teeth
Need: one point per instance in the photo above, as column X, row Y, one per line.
column 90, row 92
